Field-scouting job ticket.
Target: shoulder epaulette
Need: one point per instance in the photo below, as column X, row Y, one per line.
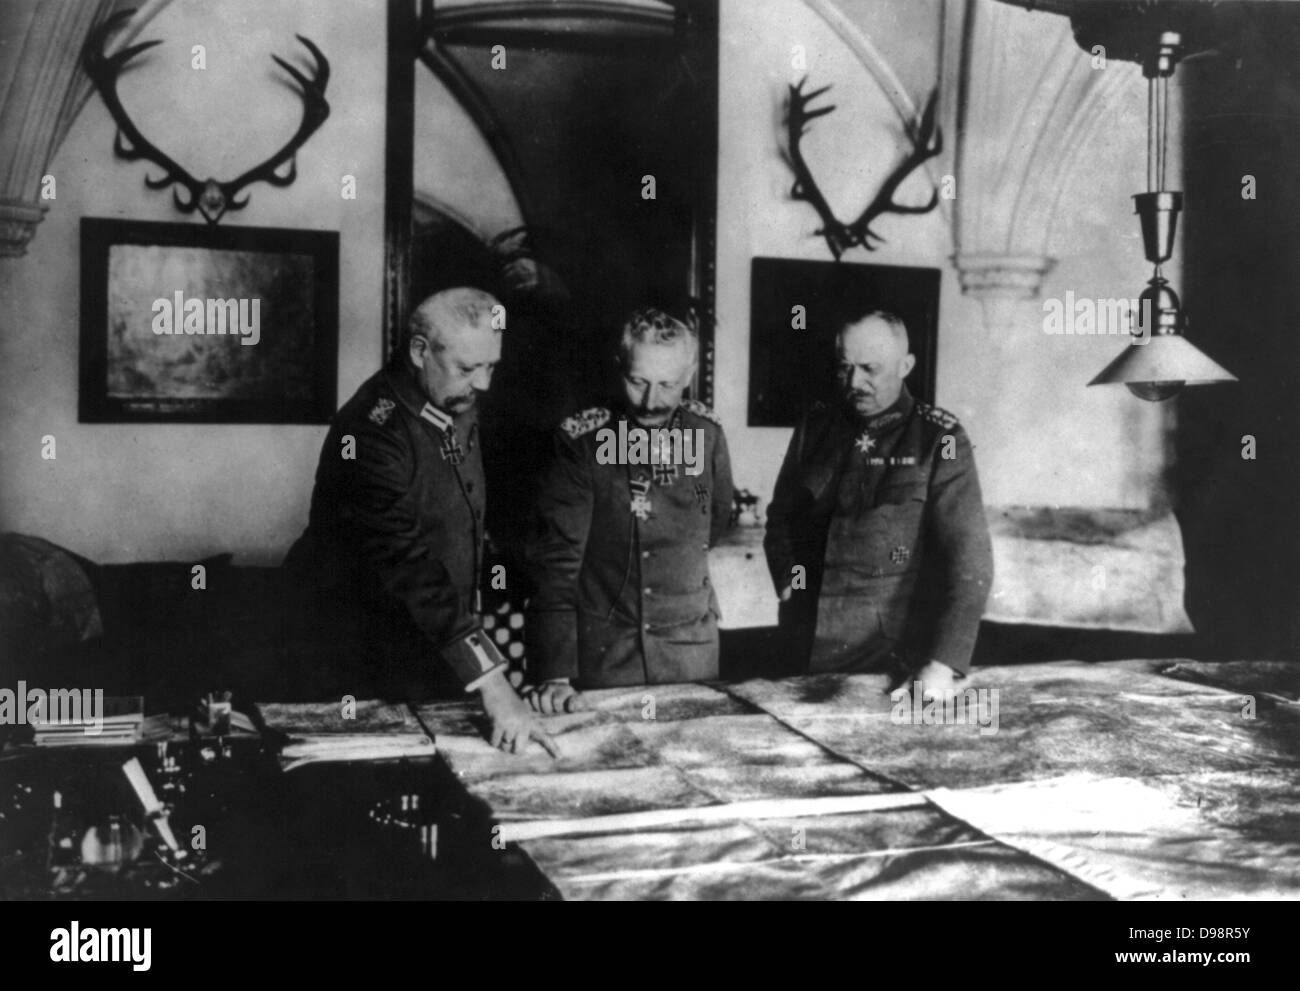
column 699, row 409
column 585, row 422
column 939, row 417
column 382, row 410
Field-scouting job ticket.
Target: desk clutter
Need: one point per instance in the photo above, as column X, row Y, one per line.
column 203, row 809
column 135, row 820
column 103, row 722
column 344, row 731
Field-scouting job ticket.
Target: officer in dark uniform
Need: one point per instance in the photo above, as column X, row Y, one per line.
column 620, row 550
column 876, row 535
column 389, row 566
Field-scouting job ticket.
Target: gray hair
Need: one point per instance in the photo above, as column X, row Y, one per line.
column 448, row 310
column 652, row 326
column 897, row 326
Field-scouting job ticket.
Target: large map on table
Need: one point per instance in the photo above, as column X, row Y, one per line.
column 1102, row 780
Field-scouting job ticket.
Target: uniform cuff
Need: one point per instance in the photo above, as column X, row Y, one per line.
column 473, row 657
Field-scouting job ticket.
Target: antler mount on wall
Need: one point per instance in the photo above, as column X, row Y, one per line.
column 210, row 197
column 927, row 142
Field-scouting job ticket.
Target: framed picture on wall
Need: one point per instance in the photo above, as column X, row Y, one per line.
column 189, row 324
column 792, row 350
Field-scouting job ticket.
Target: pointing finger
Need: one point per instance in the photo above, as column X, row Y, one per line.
column 547, row 742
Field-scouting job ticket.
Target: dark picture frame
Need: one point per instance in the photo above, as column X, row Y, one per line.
column 791, row 366
column 281, row 369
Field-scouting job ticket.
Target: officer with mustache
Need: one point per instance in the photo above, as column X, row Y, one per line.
column 389, row 568
column 876, row 538
column 620, row 551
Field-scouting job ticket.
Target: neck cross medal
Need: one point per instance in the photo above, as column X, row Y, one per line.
column 451, row 449
column 666, row 470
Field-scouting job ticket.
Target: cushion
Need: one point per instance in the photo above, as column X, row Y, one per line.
column 47, row 599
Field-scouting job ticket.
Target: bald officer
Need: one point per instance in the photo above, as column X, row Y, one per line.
column 876, row 536
column 620, row 550
column 392, row 555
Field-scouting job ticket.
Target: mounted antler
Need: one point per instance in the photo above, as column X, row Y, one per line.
column 927, row 141
column 210, row 197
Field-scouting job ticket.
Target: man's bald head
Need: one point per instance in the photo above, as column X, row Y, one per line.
column 454, row 347
column 451, row 313
column 873, row 356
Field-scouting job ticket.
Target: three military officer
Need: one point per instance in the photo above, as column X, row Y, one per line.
column 390, row 561
column 876, row 538
column 619, row 553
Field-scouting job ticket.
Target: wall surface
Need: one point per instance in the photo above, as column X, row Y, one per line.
column 1041, row 437
column 455, row 168
column 136, row 492
column 130, row 492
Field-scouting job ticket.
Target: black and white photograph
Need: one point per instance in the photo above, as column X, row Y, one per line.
column 651, row 450
column 211, row 367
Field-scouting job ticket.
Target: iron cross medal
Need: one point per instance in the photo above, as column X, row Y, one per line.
column 451, row 449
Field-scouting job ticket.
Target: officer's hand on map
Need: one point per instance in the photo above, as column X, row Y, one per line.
column 513, row 722
column 936, row 679
column 555, row 697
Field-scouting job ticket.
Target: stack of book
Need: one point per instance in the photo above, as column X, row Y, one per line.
column 121, row 722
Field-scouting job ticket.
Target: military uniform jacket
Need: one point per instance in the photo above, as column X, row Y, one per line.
column 892, row 535
column 619, row 554
column 396, row 522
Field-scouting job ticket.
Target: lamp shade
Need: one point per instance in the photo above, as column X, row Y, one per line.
column 1164, row 360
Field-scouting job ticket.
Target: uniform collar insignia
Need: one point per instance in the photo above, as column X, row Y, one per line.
column 437, row 417
column 884, row 421
column 404, row 386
